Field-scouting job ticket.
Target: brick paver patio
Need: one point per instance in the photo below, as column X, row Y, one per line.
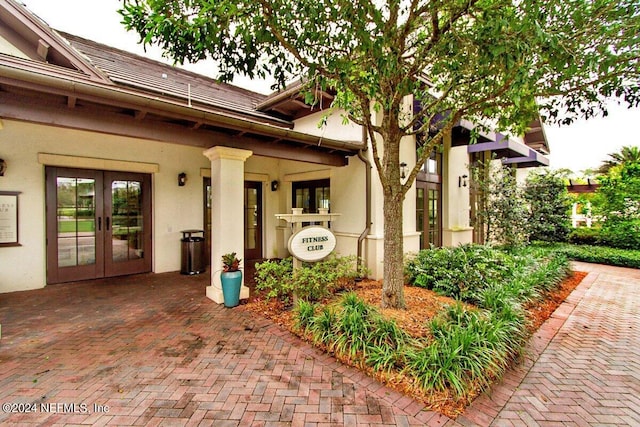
column 152, row 350
column 583, row 365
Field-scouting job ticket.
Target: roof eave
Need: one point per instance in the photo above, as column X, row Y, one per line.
column 76, row 85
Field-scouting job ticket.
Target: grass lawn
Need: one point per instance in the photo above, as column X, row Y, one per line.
column 72, row 226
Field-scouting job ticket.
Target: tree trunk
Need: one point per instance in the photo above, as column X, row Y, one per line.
column 393, row 284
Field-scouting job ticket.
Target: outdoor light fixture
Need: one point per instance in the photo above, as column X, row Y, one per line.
column 274, row 185
column 462, row 181
column 182, row 179
column 3, row 167
column 403, row 170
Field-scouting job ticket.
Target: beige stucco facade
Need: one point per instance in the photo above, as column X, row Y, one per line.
column 61, row 110
column 176, row 208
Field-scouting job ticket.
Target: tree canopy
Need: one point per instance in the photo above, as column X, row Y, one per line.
column 495, row 62
column 627, row 154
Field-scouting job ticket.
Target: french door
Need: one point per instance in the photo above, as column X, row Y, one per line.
column 428, row 214
column 252, row 220
column 98, row 224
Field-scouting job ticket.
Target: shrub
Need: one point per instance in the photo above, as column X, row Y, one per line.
column 305, row 311
column 597, row 254
column 623, row 234
column 276, row 277
column 321, row 327
column 469, row 349
column 548, row 200
column 386, row 345
column 585, row 236
column 355, row 330
column 312, row 281
column 318, row 280
column 618, row 200
column 459, row 272
column 501, row 210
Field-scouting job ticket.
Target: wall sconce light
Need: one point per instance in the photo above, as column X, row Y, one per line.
column 182, row 179
column 403, row 170
column 3, row 167
column 462, row 181
column 274, row 185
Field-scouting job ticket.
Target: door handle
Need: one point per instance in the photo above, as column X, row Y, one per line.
column 99, row 223
column 108, row 220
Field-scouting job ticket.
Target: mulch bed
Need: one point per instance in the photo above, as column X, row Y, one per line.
column 423, row 305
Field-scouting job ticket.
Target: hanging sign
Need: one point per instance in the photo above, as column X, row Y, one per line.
column 9, row 218
column 312, row 243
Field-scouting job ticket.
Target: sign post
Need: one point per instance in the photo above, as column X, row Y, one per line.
column 311, row 243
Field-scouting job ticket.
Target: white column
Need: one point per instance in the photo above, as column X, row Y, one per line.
column 455, row 195
column 227, row 212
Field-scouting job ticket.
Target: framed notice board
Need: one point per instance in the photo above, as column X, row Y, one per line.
column 9, row 218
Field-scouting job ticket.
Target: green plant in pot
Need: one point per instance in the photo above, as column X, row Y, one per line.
column 231, row 278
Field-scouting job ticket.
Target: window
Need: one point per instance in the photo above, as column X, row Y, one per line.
column 311, row 195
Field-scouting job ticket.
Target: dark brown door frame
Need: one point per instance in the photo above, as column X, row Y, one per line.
column 256, row 251
column 137, row 265
column 426, row 226
column 56, row 274
column 103, row 265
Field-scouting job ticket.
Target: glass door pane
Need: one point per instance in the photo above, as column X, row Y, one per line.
column 420, row 215
column 75, row 218
column 322, row 198
column 127, row 226
column 434, row 217
column 127, row 205
column 207, row 217
column 252, row 220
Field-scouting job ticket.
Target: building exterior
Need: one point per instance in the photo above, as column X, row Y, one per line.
column 110, row 156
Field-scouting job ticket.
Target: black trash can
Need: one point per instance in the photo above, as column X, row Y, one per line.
column 193, row 255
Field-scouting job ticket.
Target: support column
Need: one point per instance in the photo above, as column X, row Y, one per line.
column 455, row 196
column 227, row 212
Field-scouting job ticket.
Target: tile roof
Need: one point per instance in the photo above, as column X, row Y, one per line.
column 134, row 71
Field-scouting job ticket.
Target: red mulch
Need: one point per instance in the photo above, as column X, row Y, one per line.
column 423, row 305
column 542, row 310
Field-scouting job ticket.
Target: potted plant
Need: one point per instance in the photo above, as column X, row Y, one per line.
column 231, row 278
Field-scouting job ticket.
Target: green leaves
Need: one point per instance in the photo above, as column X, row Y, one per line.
column 488, row 61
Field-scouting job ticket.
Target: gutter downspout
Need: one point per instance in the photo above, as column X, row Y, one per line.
column 367, row 175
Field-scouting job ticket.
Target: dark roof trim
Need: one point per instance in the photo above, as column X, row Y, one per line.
column 589, row 187
column 33, row 29
column 502, row 148
column 291, row 91
column 534, row 159
column 45, row 79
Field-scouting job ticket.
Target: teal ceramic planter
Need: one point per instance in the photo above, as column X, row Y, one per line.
column 231, row 283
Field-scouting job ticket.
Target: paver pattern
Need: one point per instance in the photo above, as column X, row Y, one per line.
column 583, row 365
column 155, row 351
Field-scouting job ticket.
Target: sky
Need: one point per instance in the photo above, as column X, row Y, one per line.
column 580, row 146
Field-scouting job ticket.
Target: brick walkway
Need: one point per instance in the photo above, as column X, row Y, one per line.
column 583, row 367
column 154, row 351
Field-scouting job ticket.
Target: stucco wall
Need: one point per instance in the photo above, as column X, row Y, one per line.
column 177, row 208
column 174, row 208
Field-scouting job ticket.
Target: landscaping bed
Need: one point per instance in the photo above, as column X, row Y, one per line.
column 347, row 323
